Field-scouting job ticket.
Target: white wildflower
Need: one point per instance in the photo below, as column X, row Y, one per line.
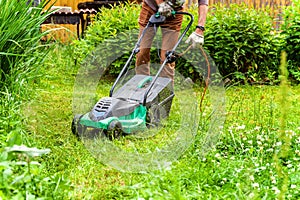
column 242, row 127
column 238, row 170
column 296, row 159
column 290, row 132
column 273, row 179
column 217, row 155
column 256, row 185
column 276, row 190
column 258, row 137
column 278, row 143
column 256, row 128
column 261, row 148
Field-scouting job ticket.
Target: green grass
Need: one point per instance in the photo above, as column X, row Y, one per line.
column 241, row 166
column 256, row 157
column 21, row 55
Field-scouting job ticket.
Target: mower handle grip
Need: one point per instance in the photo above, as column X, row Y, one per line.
column 143, row 82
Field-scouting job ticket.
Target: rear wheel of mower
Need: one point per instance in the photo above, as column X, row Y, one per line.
column 154, row 116
column 114, row 130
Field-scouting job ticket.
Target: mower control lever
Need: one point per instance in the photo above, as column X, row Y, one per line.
column 157, row 19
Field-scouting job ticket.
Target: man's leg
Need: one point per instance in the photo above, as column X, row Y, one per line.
column 169, row 40
column 170, row 34
column 142, row 65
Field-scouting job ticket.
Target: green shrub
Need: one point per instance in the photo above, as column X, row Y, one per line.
column 241, row 41
column 107, row 24
column 117, row 28
column 291, row 34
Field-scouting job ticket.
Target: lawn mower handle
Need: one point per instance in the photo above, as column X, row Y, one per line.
column 170, row 53
column 154, row 19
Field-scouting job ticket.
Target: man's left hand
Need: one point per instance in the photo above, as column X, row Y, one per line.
column 165, row 9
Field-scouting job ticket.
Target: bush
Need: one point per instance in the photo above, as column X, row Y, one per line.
column 291, row 34
column 110, row 32
column 107, row 24
column 241, row 42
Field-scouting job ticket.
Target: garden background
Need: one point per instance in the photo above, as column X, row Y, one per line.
column 256, row 157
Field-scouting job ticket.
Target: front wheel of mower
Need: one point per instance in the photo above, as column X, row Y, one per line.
column 76, row 127
column 114, row 129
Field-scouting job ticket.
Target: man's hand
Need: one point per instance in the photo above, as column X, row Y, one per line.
column 195, row 39
column 165, row 9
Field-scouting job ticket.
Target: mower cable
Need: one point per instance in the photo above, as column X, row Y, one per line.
column 208, row 72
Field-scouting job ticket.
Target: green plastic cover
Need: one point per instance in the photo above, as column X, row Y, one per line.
column 136, row 121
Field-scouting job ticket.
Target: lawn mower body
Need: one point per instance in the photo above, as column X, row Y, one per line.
column 141, row 103
column 126, row 110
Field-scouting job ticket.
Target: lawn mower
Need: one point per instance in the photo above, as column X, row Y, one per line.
column 141, row 103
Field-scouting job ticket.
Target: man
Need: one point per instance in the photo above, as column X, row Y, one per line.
column 170, row 32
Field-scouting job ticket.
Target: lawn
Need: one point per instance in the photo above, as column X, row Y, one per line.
column 256, row 156
column 250, row 150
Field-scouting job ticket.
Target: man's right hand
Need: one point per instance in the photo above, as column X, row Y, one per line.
column 165, row 9
column 195, row 39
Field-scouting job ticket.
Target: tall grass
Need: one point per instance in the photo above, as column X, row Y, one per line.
column 20, row 47
column 21, row 54
column 284, row 136
column 21, row 57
